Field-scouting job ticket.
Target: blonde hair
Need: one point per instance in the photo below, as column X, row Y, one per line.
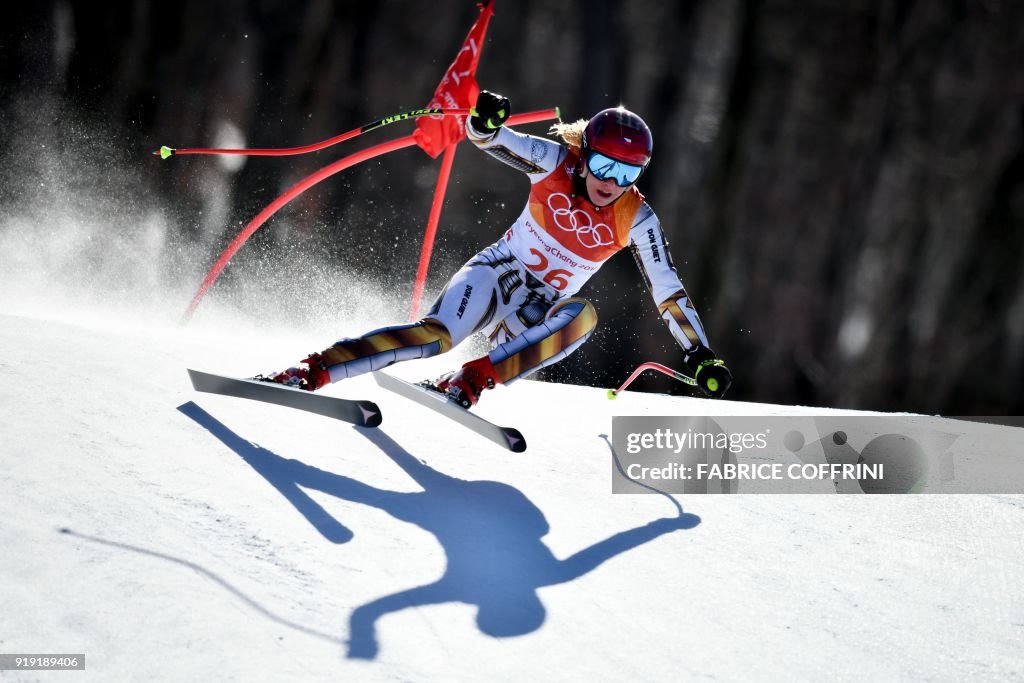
column 571, row 133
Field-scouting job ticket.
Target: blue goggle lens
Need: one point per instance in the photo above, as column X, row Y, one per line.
column 604, row 168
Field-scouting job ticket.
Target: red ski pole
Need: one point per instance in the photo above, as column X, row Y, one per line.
column 685, row 379
column 165, row 152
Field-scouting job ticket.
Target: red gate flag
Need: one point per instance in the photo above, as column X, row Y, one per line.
column 458, row 90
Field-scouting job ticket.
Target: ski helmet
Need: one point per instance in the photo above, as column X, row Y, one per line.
column 620, row 134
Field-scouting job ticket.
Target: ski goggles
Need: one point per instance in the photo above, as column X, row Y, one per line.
column 604, row 168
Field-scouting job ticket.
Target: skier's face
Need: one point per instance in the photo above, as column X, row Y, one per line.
column 601, row 192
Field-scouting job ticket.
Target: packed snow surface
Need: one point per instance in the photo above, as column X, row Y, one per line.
column 170, row 535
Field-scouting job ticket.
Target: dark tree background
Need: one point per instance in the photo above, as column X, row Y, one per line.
column 842, row 182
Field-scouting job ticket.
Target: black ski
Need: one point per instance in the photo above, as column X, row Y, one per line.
column 362, row 413
column 506, row 437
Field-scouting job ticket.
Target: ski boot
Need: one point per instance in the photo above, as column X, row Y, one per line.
column 465, row 385
column 309, row 375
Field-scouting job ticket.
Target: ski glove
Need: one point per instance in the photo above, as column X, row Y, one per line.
column 713, row 378
column 491, row 112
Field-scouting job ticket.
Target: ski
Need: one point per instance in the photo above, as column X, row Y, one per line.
column 362, row 413
column 506, row 437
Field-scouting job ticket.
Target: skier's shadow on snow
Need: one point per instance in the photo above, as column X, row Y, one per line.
column 491, row 534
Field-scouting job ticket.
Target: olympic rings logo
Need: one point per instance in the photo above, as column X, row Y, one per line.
column 579, row 221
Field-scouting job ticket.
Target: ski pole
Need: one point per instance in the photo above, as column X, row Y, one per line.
column 165, row 152
column 322, row 174
column 685, row 379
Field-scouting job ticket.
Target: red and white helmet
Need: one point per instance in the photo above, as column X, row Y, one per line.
column 620, row 134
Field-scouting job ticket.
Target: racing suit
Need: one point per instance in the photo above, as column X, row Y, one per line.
column 520, row 291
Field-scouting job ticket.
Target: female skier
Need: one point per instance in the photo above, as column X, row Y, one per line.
column 583, row 208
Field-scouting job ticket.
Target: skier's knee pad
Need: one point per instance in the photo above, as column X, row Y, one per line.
column 577, row 312
column 567, row 325
column 435, row 330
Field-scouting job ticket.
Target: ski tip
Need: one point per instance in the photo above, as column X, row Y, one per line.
column 514, row 438
column 371, row 414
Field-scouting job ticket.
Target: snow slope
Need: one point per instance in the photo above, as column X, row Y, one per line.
column 178, row 536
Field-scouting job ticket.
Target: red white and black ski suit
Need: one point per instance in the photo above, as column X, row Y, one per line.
column 520, row 290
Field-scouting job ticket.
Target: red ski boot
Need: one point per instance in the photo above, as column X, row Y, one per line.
column 466, row 384
column 308, row 375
